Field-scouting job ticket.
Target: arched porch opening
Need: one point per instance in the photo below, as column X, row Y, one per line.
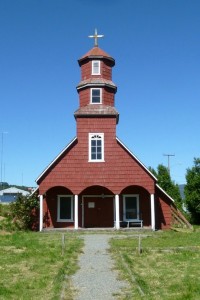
column 135, row 205
column 97, row 207
column 58, row 206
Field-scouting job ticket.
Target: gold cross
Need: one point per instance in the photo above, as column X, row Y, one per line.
column 95, row 37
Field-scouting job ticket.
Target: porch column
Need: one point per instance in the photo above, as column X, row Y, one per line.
column 117, row 224
column 76, row 212
column 153, row 212
column 41, row 213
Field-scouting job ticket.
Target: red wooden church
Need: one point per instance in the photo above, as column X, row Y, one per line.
column 96, row 181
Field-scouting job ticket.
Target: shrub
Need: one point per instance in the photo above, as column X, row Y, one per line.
column 25, row 212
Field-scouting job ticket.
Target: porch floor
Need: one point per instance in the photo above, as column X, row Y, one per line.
column 108, row 229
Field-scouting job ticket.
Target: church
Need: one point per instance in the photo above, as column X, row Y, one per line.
column 96, row 181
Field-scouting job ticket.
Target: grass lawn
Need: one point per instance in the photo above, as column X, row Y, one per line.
column 167, row 268
column 32, row 265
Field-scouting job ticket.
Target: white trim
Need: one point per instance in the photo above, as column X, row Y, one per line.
column 101, row 135
column 124, row 206
column 152, row 212
column 58, row 209
column 99, row 67
column 57, row 157
column 117, row 214
column 76, row 212
column 164, row 192
column 100, row 89
column 41, row 213
column 120, row 142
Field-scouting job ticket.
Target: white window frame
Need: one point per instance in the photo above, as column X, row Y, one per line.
column 91, row 136
column 58, row 209
column 92, row 89
column 94, row 68
column 137, row 208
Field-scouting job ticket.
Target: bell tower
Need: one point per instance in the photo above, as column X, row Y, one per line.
column 96, row 89
column 96, row 115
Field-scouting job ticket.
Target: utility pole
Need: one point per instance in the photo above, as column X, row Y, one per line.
column 168, row 157
column 4, row 132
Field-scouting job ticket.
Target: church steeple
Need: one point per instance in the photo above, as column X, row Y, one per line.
column 96, row 88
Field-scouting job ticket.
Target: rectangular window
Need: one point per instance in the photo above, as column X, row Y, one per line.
column 131, row 207
column 96, row 96
column 96, row 147
column 65, row 208
column 96, row 67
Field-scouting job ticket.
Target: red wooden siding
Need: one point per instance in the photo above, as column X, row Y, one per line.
column 107, row 97
column 163, row 210
column 86, row 70
column 118, row 171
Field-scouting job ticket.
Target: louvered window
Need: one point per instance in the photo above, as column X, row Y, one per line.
column 96, row 67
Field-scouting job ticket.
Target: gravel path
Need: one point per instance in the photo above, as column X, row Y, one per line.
column 96, row 279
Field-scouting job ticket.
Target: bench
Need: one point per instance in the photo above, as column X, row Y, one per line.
column 131, row 223
column 135, row 222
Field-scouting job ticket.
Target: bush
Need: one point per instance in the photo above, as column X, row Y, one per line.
column 4, row 210
column 25, row 211
column 6, row 222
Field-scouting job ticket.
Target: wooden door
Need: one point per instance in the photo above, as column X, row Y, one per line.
column 98, row 212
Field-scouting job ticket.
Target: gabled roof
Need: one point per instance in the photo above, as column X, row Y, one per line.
column 129, row 151
column 118, row 140
column 57, row 157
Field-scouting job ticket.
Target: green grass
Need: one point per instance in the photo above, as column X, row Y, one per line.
column 167, row 268
column 32, row 265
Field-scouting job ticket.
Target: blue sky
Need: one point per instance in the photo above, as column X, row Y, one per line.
column 156, row 45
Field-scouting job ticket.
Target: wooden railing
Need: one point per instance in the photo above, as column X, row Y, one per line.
column 178, row 219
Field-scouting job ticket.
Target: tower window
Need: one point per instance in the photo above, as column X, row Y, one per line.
column 96, row 67
column 96, row 96
column 96, row 147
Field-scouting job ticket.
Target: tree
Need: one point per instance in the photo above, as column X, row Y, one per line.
column 192, row 191
column 166, row 183
column 25, row 212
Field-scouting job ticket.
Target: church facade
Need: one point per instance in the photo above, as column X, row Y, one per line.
column 96, row 181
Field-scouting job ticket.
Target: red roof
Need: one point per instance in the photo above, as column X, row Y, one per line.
column 96, row 81
column 96, row 110
column 97, row 52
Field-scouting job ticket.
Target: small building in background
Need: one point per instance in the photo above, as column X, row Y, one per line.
column 10, row 194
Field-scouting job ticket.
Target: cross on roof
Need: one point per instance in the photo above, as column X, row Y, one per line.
column 95, row 37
